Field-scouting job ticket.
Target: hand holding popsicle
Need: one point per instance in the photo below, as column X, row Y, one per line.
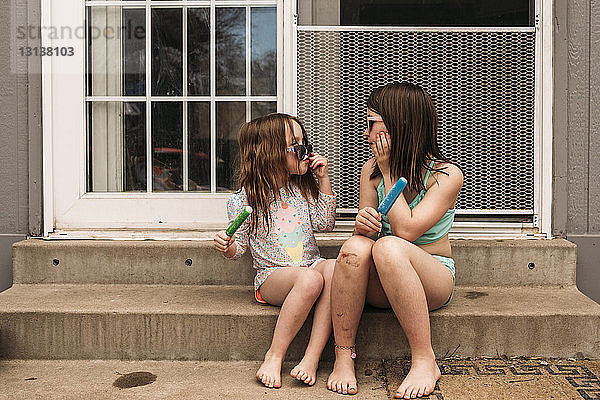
column 224, row 240
column 368, row 221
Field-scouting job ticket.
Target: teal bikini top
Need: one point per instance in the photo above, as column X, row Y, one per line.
column 438, row 231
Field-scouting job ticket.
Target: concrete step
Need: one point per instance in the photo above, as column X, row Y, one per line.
column 136, row 322
column 478, row 262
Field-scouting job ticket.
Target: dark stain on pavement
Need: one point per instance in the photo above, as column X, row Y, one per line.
column 475, row 295
column 134, row 379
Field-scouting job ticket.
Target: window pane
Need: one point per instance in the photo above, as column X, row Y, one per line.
column 231, row 51
column 167, row 75
column 199, row 145
column 116, row 51
column 199, row 51
column 134, row 50
column 260, row 108
column 437, row 12
column 464, row 13
column 264, row 51
column 230, row 117
column 116, row 156
column 167, row 146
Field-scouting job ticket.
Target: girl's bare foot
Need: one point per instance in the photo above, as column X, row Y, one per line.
column 306, row 370
column 421, row 379
column 342, row 378
column 269, row 372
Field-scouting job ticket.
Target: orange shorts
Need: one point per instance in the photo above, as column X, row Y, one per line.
column 258, row 297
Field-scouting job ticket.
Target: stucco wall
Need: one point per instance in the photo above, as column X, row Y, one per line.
column 20, row 135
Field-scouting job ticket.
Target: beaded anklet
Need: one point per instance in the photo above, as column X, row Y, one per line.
column 352, row 348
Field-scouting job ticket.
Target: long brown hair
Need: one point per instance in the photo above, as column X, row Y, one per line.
column 410, row 117
column 262, row 170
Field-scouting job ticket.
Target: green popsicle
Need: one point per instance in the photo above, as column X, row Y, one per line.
column 239, row 220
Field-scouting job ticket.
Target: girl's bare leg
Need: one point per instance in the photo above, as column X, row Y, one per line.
column 414, row 282
column 306, row 370
column 348, row 292
column 296, row 290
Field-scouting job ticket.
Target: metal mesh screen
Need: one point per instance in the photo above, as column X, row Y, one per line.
column 482, row 83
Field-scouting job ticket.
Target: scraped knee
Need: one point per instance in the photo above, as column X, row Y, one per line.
column 355, row 252
column 348, row 259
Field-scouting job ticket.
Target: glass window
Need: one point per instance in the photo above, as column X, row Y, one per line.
column 167, row 146
column 264, row 51
column 116, row 146
column 231, row 51
column 230, row 117
column 167, row 46
column 198, row 51
column 180, row 85
column 457, row 13
column 199, row 146
column 260, row 108
column 117, row 34
column 134, row 50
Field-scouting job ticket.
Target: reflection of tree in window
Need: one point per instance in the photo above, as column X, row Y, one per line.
column 263, row 81
column 135, row 146
column 198, row 51
column 199, row 146
column 166, row 52
column 167, row 145
column 264, row 51
column 134, row 52
column 230, row 117
column 231, row 51
column 260, row 108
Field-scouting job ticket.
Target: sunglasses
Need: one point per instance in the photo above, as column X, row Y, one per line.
column 371, row 120
column 301, row 151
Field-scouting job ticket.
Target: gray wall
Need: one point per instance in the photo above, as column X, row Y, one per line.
column 20, row 135
column 577, row 135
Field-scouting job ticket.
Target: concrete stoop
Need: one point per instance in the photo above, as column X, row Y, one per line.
column 139, row 322
column 478, row 262
column 183, row 301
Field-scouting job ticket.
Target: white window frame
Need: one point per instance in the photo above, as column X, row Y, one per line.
column 67, row 206
column 544, row 110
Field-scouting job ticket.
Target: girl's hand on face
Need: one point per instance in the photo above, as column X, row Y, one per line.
column 381, row 149
column 319, row 164
column 367, row 221
column 223, row 242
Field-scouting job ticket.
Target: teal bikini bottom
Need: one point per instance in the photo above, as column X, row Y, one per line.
column 449, row 263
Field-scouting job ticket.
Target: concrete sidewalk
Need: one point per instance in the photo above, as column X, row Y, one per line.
column 463, row 379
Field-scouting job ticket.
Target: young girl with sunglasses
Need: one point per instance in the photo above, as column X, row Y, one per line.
column 288, row 187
